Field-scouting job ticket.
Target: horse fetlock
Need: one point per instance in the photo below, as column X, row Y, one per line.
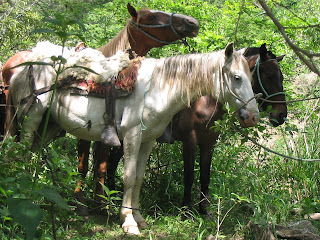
column 139, row 219
column 142, row 224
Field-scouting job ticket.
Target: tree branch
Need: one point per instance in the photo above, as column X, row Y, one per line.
column 298, row 51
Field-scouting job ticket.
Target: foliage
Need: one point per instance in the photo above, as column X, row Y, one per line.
column 247, row 183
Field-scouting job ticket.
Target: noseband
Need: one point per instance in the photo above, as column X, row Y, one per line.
column 257, row 68
column 139, row 25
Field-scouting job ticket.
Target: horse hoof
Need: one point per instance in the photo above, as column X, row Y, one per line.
column 134, row 230
column 142, row 224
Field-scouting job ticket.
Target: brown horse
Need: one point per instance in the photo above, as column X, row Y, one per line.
column 193, row 125
column 145, row 30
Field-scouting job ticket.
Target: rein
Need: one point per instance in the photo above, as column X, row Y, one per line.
column 139, row 25
column 257, row 68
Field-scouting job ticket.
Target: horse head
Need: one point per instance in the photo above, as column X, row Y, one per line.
column 158, row 28
column 237, row 87
column 268, row 80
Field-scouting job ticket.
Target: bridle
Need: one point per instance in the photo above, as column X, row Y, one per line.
column 244, row 103
column 139, row 25
column 257, row 68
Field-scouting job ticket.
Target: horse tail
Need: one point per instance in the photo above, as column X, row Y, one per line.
column 11, row 122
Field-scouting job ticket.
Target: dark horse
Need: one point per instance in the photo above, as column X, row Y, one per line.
column 145, row 30
column 193, row 125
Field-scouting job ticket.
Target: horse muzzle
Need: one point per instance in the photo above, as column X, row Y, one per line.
column 187, row 27
column 248, row 118
column 278, row 116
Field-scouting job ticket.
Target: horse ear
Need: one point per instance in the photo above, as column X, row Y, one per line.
column 243, row 51
column 228, row 51
column 132, row 11
column 280, row 58
column 251, row 62
column 263, row 50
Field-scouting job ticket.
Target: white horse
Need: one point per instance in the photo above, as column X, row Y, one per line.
column 163, row 88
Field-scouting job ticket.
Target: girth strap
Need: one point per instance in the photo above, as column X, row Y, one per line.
column 36, row 92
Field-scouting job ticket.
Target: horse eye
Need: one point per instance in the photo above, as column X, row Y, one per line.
column 237, row 77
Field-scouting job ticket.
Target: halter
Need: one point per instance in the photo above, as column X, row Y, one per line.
column 257, row 67
column 139, row 25
column 244, row 103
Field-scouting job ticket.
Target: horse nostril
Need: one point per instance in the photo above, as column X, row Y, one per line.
column 282, row 115
column 243, row 114
column 192, row 22
column 254, row 119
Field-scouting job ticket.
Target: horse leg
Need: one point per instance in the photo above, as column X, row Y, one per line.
column 206, row 151
column 52, row 132
column 143, row 158
column 131, row 145
column 31, row 124
column 189, row 154
column 83, row 156
column 100, row 156
column 115, row 155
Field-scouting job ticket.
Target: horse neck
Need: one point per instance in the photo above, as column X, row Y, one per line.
column 252, row 51
column 119, row 42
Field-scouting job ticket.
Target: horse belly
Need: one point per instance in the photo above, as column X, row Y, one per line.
column 81, row 116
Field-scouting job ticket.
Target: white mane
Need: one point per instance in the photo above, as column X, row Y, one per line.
column 89, row 58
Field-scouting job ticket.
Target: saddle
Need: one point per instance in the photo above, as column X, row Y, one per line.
column 122, row 85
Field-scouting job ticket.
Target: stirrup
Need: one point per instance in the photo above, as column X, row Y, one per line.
column 109, row 137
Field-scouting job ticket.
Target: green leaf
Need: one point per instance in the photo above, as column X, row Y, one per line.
column 54, row 58
column 54, row 196
column 27, row 214
column 3, row 192
column 62, row 59
column 53, row 21
column 80, row 24
column 104, row 197
column 113, row 192
column 42, row 30
column 105, row 188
